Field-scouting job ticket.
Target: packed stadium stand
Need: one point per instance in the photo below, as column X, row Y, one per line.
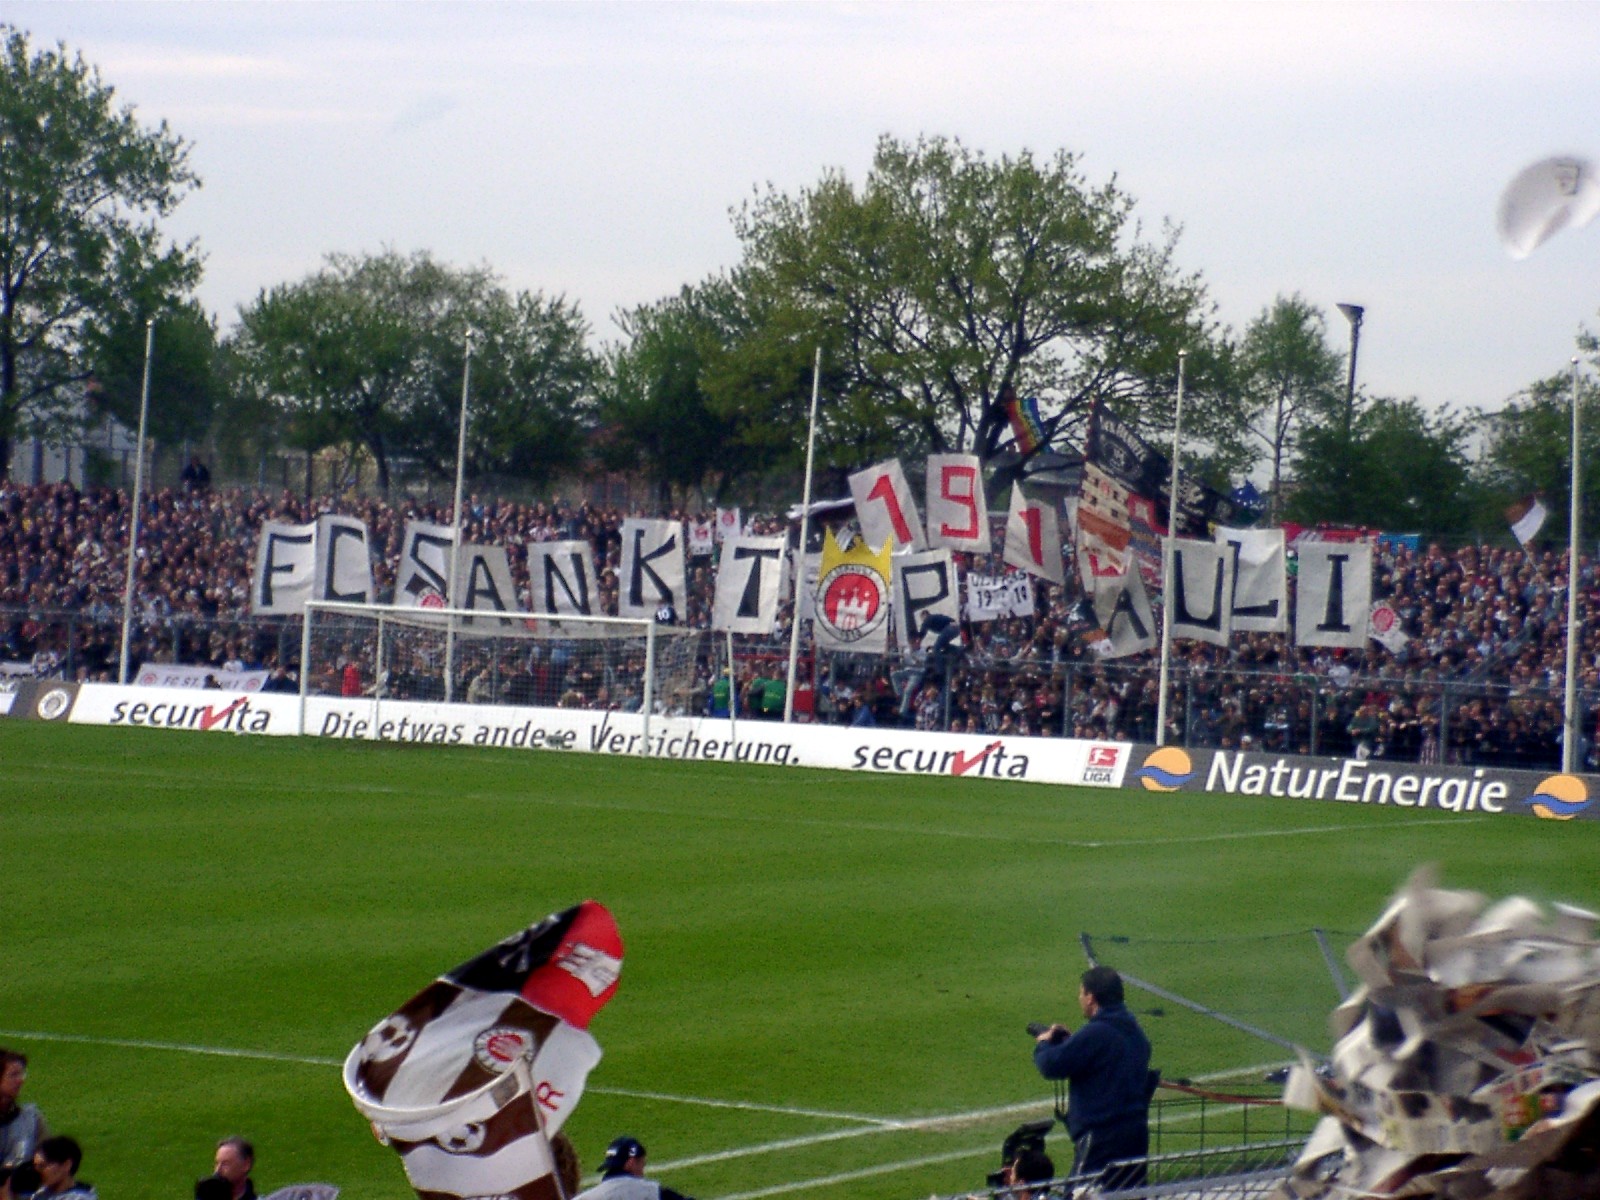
column 1478, row 682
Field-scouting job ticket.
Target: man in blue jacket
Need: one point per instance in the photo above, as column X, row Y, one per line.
column 1107, row 1067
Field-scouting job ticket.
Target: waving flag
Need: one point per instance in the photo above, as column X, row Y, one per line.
column 470, row 1077
column 1551, row 195
column 1027, row 430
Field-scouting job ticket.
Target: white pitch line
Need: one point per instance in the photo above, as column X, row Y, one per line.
column 863, row 1173
column 910, row 1124
column 314, row 1060
column 310, row 1060
column 820, row 1114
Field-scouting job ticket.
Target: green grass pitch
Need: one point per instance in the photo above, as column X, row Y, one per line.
column 811, row 956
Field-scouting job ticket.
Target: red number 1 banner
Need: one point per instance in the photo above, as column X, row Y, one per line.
column 885, row 508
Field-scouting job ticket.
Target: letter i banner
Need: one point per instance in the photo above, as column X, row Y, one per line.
column 468, row 1080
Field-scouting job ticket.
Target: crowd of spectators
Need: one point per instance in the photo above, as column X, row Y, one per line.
column 1478, row 679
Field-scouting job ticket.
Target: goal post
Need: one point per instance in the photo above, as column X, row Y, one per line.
column 392, row 652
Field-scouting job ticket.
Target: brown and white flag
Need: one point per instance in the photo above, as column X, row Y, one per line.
column 468, row 1080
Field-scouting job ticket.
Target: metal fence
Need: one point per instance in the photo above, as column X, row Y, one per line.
column 1407, row 719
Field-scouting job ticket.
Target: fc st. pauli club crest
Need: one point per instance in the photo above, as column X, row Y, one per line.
column 853, row 589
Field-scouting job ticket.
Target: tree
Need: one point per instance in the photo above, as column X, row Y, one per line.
column 186, row 383
column 1407, row 470
column 1528, row 449
column 82, row 188
column 1288, row 374
column 948, row 278
column 706, row 394
column 368, row 353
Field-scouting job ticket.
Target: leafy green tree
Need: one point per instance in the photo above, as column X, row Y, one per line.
column 706, row 393
column 82, row 189
column 368, row 353
column 1528, row 449
column 1289, row 375
column 83, row 186
column 948, row 277
column 1403, row 469
column 186, row 377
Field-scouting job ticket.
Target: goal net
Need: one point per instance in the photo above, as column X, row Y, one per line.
column 470, row 657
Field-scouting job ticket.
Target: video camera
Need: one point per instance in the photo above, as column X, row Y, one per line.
column 1035, row 1028
column 1024, row 1137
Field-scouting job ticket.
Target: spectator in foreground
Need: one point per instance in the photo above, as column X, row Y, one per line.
column 236, row 1158
column 22, row 1126
column 57, row 1160
column 622, row 1175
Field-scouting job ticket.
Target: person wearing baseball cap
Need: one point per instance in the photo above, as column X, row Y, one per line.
column 622, row 1175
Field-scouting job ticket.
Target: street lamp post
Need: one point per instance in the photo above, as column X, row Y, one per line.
column 1353, row 314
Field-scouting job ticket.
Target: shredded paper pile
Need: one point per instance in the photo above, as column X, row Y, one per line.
column 1467, row 1064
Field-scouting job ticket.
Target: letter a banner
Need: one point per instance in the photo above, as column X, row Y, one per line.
column 852, row 608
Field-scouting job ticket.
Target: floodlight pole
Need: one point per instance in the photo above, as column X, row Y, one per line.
column 799, row 556
column 138, row 489
column 452, row 600
column 1569, row 713
column 1167, row 556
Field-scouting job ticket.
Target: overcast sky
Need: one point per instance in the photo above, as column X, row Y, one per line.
column 1348, row 152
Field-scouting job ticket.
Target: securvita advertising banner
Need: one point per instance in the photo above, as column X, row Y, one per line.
column 1450, row 789
column 1035, row 760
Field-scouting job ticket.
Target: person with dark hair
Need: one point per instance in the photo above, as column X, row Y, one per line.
column 622, row 1175
column 236, row 1158
column 22, row 1126
column 57, row 1160
column 1031, row 1166
column 1106, row 1064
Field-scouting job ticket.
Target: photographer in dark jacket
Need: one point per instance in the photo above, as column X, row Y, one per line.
column 1107, row 1067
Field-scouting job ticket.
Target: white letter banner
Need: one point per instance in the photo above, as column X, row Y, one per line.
column 1202, row 573
column 1260, row 582
column 749, row 578
column 1122, row 607
column 652, row 568
column 1333, row 594
column 423, row 579
column 958, row 513
column 286, row 559
column 925, row 584
column 561, row 579
column 344, row 567
column 885, row 509
column 486, row 586
column 1033, row 537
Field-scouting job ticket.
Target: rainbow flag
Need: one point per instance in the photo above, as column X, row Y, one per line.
column 1026, row 427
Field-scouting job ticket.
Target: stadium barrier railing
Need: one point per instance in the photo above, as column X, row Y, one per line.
column 1461, row 721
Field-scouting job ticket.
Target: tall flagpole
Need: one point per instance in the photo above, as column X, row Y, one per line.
column 1569, row 713
column 455, row 529
column 800, row 551
column 138, row 488
column 1168, row 587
